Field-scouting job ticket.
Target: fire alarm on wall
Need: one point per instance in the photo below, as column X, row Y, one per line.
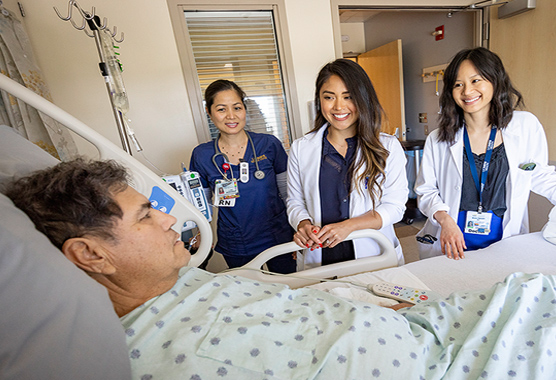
column 439, row 33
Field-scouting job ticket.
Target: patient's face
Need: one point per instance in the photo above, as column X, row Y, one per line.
column 146, row 249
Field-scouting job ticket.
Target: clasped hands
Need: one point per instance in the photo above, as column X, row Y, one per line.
column 313, row 237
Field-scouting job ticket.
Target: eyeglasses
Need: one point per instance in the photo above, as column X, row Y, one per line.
column 426, row 239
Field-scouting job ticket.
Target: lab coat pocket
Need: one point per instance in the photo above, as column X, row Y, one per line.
column 260, row 342
column 522, row 185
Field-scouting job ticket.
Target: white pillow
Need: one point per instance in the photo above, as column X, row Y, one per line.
column 19, row 156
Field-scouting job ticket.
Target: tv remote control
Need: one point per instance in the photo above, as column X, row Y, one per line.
column 401, row 293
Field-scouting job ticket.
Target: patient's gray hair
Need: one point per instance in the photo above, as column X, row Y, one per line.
column 72, row 199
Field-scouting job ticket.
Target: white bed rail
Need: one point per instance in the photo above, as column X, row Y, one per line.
column 387, row 259
column 143, row 179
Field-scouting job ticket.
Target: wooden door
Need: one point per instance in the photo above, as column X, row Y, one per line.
column 384, row 66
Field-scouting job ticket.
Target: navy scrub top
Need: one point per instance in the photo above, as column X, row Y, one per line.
column 258, row 220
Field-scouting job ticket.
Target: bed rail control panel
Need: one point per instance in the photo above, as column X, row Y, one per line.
column 188, row 184
column 401, row 293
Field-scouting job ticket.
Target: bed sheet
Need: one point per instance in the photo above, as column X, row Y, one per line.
column 481, row 269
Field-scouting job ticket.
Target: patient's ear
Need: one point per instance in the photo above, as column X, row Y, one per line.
column 87, row 254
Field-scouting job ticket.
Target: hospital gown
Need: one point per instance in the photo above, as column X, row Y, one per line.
column 225, row 327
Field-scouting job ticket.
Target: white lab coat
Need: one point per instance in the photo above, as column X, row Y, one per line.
column 438, row 185
column 304, row 197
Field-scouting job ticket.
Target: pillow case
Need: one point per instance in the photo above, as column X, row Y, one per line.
column 19, row 156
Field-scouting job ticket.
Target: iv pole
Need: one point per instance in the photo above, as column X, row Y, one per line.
column 93, row 22
column 109, row 84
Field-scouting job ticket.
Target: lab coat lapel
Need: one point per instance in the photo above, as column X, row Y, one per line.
column 511, row 144
column 456, row 151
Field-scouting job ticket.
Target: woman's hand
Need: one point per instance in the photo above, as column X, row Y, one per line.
column 306, row 235
column 451, row 237
column 333, row 234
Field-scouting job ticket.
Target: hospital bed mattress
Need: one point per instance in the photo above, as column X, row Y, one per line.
column 482, row 268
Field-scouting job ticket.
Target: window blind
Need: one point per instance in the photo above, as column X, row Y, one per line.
column 241, row 46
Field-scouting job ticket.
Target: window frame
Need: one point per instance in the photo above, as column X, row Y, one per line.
column 189, row 69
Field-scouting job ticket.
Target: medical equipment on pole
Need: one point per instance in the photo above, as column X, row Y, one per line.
column 110, row 67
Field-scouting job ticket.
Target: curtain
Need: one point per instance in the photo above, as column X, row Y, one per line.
column 18, row 63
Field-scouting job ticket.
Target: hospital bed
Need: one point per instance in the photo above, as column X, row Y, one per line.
column 54, row 318
column 56, row 321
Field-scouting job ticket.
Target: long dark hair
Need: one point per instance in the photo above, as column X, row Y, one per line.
column 373, row 153
column 505, row 98
column 222, row 85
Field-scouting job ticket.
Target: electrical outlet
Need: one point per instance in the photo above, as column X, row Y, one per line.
column 426, row 130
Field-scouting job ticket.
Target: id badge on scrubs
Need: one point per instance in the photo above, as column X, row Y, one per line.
column 478, row 223
column 226, row 192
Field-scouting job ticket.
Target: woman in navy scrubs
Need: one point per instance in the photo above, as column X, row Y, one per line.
column 246, row 171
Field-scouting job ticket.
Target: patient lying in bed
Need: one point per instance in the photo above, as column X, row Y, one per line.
column 189, row 324
column 208, row 327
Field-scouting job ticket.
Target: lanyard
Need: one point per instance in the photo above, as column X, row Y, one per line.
column 490, row 146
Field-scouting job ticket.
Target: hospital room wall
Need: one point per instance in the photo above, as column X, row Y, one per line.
column 159, row 106
column 160, row 112
column 526, row 44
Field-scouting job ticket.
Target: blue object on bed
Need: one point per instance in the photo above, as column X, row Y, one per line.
column 56, row 322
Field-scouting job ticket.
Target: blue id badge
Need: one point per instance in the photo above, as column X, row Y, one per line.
column 477, row 223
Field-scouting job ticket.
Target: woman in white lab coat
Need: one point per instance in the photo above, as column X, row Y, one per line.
column 471, row 206
column 345, row 175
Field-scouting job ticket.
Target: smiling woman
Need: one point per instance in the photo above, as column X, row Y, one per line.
column 247, row 173
column 345, row 175
column 482, row 162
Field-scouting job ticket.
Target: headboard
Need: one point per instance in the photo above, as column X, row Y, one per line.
column 56, row 322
